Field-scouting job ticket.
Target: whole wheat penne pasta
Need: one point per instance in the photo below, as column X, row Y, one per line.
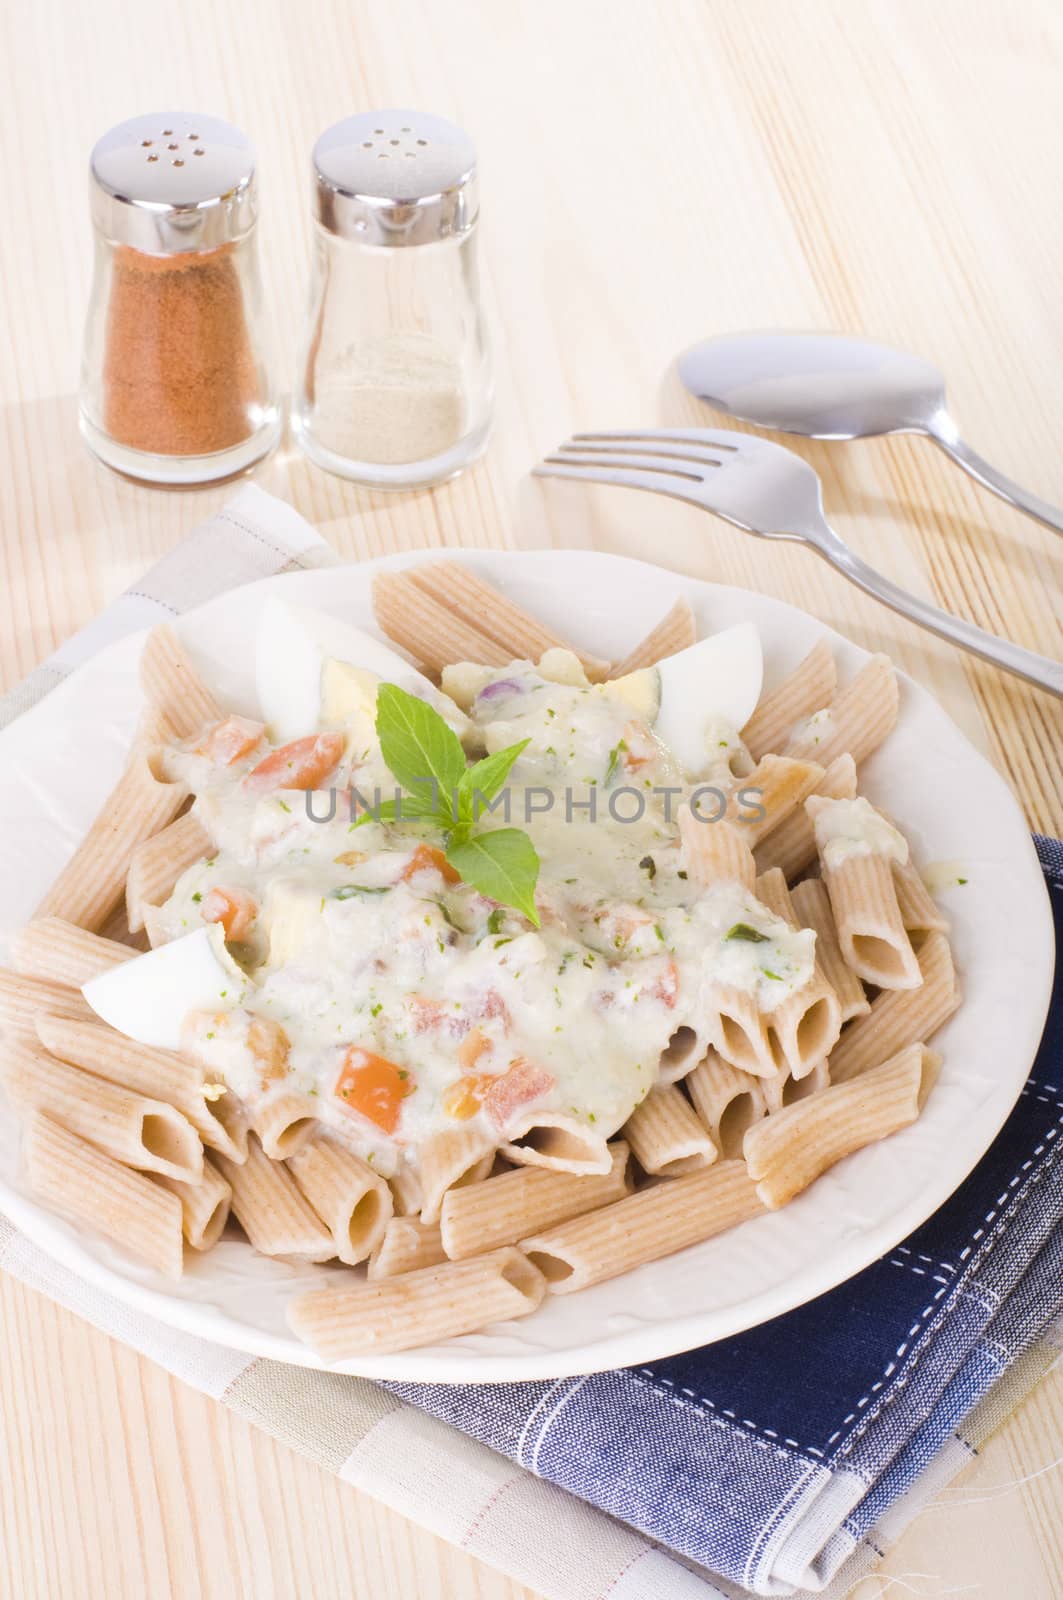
column 643, row 1227
column 205, row 1205
column 451, row 1157
column 675, row 631
column 727, row 1101
column 780, row 784
column 811, row 904
column 794, row 1146
column 285, row 1123
column 50, row 948
column 79, row 1181
column 920, row 912
column 560, row 1142
column 900, row 1017
column 808, row 1023
column 406, row 1193
column 92, row 883
column 808, row 687
column 351, row 1199
column 485, row 608
column 173, row 687
column 786, row 1090
column 665, row 1136
column 501, row 1210
column 742, row 1034
column 272, row 1209
column 715, row 852
column 858, row 719
column 407, row 1245
column 143, row 1070
column 158, row 863
column 792, row 845
column 422, row 1307
column 23, row 998
column 136, row 1130
column 684, row 1050
column 431, row 633
column 863, row 898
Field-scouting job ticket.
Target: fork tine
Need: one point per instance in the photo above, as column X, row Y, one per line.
column 657, row 467
column 716, row 439
column 677, row 486
column 657, row 449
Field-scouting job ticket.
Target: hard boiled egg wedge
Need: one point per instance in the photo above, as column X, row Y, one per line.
column 149, row 997
column 718, row 680
column 312, row 668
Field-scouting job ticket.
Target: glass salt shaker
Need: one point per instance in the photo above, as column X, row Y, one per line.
column 176, row 385
column 395, row 387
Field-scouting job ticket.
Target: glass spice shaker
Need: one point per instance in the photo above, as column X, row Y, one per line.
column 395, row 387
column 175, row 382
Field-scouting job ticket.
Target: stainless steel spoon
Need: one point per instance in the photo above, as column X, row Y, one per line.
column 831, row 386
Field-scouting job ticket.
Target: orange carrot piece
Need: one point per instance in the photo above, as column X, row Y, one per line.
column 373, row 1086
column 303, row 764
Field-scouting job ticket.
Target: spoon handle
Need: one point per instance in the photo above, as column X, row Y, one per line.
column 941, row 430
column 1039, row 670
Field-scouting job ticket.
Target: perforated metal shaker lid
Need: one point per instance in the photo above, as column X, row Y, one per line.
column 173, row 181
column 395, row 178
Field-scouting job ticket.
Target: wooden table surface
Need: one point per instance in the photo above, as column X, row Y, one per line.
column 651, row 174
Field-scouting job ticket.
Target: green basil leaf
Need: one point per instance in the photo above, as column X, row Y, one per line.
column 503, row 865
column 419, row 748
column 742, row 930
column 614, row 760
column 485, row 778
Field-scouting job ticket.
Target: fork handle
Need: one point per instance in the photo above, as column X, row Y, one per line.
column 1039, row 670
column 980, row 470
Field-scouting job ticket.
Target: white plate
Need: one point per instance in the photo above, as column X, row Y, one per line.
column 58, row 762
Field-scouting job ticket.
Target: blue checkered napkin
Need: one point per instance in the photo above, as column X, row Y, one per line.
column 772, row 1457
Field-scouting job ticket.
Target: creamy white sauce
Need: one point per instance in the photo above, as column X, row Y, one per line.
column 848, row 828
column 351, row 950
column 813, row 730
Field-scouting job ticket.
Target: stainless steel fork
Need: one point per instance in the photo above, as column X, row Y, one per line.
column 768, row 490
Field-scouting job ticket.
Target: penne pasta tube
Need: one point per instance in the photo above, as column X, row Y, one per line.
column 79, row 1181
column 158, row 863
column 50, row 948
column 792, row 845
column 684, row 1050
column 406, row 1193
column 485, row 608
column 172, row 686
column 559, row 1142
column 920, row 912
column 423, row 1307
column 715, row 852
column 726, row 1100
column 643, row 1227
column 898, row 1018
column 808, row 687
column 786, row 1090
column 285, row 1123
column 676, row 631
column 407, row 1244
column 272, row 1210
column 352, row 1201
column 665, row 1136
column 92, row 883
column 501, row 1210
column 139, row 1132
column 863, row 899
column 811, row 904
column 449, row 1158
column 794, row 1146
column 23, row 998
column 160, row 1074
column 742, row 1035
column 808, row 1023
column 431, row 633
column 205, row 1205
column 782, row 784
column 857, row 720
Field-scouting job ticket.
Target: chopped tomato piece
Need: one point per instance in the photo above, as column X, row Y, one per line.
column 231, row 740
column 640, row 748
column 235, row 909
column 523, row 1083
column 666, row 986
column 472, row 1047
column 493, row 1007
column 270, row 1046
column 373, row 1086
column 427, row 858
column 303, row 764
column 433, row 1016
